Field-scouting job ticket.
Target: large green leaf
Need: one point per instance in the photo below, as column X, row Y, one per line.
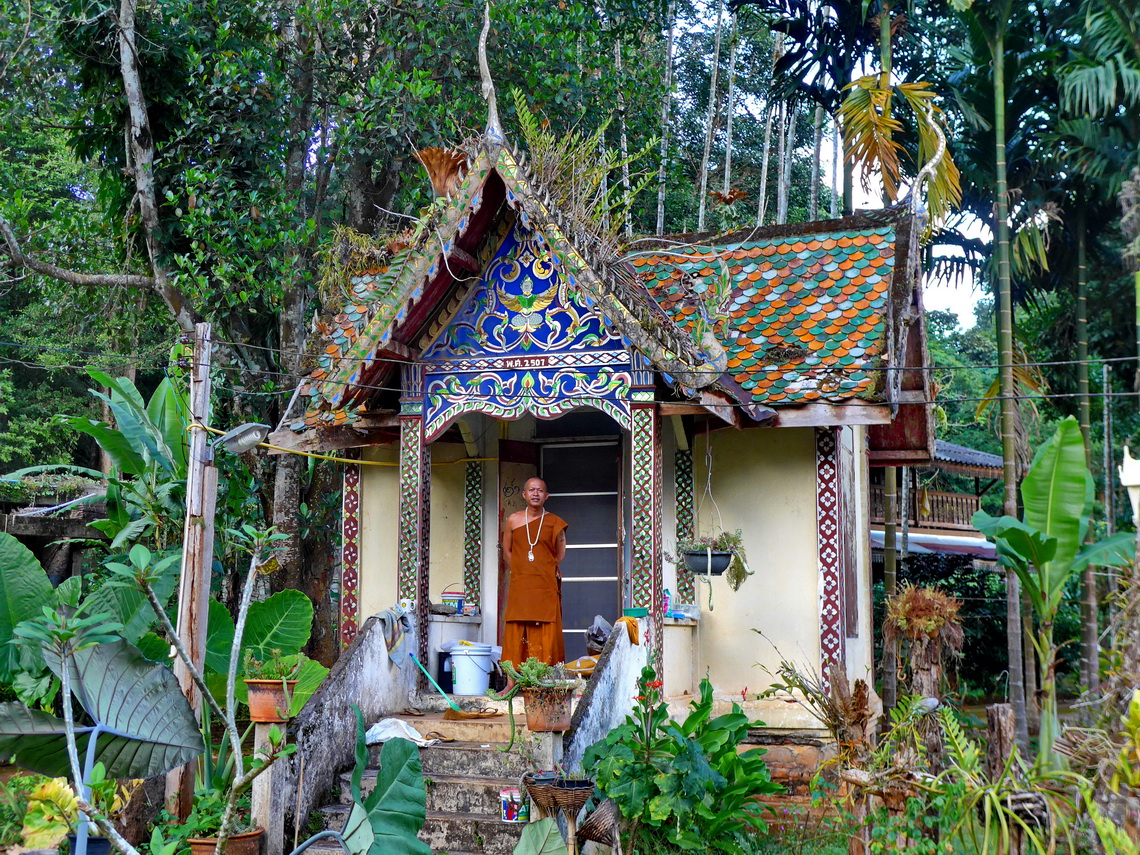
column 281, row 622
column 168, row 411
column 1116, row 551
column 1020, row 548
column 219, row 637
column 541, row 838
column 24, row 590
column 152, row 728
column 123, row 455
column 396, row 808
column 1057, row 493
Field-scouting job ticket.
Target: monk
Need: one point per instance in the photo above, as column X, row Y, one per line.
column 534, row 544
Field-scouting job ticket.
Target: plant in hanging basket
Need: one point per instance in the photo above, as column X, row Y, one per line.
column 715, row 555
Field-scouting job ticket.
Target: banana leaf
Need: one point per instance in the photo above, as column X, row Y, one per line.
column 141, row 723
column 388, row 820
column 541, row 838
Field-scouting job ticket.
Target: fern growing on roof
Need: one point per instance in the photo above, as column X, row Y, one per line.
column 573, row 166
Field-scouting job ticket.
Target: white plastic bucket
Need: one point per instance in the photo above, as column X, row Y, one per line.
column 471, row 667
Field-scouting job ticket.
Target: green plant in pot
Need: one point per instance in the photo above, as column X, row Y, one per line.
column 546, row 691
column 270, row 684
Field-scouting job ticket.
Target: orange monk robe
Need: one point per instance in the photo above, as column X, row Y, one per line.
column 533, row 616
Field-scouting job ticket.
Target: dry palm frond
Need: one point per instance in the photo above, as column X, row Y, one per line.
column 731, row 197
column 444, row 167
column 869, row 125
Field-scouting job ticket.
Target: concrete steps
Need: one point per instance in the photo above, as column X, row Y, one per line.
column 463, row 778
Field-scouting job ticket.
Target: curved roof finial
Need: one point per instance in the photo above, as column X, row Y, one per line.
column 494, row 128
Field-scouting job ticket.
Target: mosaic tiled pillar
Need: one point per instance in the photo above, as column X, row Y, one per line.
column 473, row 532
column 646, row 534
column 350, row 555
column 415, row 507
column 683, row 490
column 827, row 506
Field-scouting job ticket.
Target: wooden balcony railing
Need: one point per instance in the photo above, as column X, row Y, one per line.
column 930, row 509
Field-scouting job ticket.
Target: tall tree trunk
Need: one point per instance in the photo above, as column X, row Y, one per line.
column 1090, row 645
column 623, row 143
column 710, row 122
column 730, row 108
column 817, row 144
column 789, row 147
column 666, row 101
column 1008, row 401
column 836, row 168
column 762, row 204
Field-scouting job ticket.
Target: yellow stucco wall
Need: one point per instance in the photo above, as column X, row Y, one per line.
column 379, row 530
column 764, row 484
column 446, row 561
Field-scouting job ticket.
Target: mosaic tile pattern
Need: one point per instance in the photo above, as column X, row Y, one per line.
column 807, row 316
column 683, row 490
column 831, row 635
column 473, row 532
column 412, row 507
column 646, row 519
column 658, row 614
column 350, row 555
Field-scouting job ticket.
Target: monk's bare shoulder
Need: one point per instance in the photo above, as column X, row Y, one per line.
column 516, row 519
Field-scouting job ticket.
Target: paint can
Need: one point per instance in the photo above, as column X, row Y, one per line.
column 515, row 807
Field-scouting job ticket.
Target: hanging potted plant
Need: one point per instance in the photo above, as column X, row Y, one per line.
column 720, row 554
column 270, row 685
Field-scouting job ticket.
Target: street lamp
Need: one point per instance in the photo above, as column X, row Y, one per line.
column 243, row 437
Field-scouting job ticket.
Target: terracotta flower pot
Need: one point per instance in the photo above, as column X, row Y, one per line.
column 267, row 701
column 248, row 843
column 548, row 708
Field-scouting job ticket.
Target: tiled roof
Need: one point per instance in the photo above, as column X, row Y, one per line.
column 806, row 315
column 949, row 452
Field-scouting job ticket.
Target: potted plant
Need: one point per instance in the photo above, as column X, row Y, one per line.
column 270, row 684
column 204, row 823
column 546, row 690
column 712, row 554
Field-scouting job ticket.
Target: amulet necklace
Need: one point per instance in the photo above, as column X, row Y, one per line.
column 538, row 534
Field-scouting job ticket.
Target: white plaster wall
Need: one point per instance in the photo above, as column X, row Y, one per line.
column 860, row 649
column 379, row 529
column 763, row 481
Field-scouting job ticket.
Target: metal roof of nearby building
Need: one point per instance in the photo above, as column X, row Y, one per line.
column 961, row 456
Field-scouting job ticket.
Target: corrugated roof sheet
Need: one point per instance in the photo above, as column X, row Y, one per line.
column 949, row 452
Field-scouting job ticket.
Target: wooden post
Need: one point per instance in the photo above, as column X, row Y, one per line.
column 1001, row 737
column 197, row 556
column 890, row 580
column 267, row 808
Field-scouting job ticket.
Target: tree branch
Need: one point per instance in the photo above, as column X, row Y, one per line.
column 142, row 151
column 11, row 248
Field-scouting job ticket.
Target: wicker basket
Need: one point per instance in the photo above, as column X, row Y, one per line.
column 542, row 793
column 573, row 799
column 601, row 826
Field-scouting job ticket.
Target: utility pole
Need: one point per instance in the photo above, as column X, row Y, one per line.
column 1109, row 469
column 197, row 555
